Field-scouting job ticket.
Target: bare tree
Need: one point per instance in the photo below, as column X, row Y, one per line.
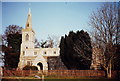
column 37, row 44
column 104, row 23
column 11, row 40
column 11, row 29
column 50, row 42
column 53, row 41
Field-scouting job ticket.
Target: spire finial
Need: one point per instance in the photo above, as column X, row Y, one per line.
column 29, row 12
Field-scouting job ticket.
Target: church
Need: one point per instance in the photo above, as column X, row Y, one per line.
column 29, row 55
column 44, row 58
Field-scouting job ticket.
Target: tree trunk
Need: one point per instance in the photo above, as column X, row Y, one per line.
column 109, row 75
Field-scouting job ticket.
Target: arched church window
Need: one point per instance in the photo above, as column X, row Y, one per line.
column 27, row 37
column 23, row 52
column 45, row 52
column 28, row 25
column 54, row 52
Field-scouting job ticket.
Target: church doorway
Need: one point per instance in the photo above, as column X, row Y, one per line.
column 40, row 65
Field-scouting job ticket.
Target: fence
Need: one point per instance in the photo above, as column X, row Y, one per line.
column 65, row 73
column 1, row 73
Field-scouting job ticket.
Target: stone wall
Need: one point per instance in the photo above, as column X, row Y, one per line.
column 55, row 63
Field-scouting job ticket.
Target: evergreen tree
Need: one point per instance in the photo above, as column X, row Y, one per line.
column 76, row 50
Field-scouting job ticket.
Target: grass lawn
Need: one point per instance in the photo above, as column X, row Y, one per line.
column 59, row 80
column 56, row 79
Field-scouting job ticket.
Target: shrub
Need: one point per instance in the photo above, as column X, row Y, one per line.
column 27, row 67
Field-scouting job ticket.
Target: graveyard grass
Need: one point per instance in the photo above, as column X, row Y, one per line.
column 52, row 78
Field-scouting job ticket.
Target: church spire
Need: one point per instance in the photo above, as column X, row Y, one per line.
column 29, row 12
column 29, row 20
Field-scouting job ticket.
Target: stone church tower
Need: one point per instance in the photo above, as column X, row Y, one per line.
column 28, row 36
column 29, row 55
